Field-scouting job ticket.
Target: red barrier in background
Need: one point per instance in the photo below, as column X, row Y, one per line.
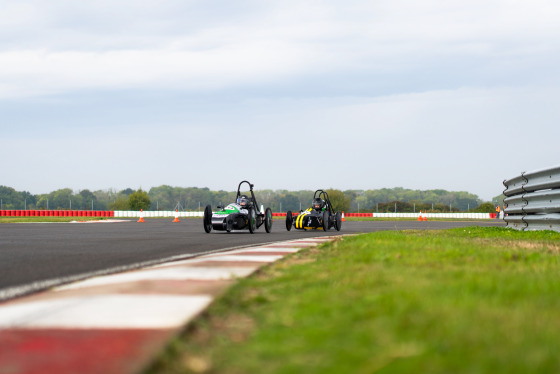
column 110, row 213
column 56, row 213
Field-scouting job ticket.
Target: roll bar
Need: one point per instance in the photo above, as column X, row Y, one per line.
column 325, row 196
column 252, row 193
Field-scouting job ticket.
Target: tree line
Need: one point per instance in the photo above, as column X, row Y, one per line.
column 195, row 199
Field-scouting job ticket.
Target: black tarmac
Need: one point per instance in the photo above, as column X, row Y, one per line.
column 37, row 256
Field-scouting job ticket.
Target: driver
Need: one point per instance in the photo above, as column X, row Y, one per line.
column 243, row 201
column 317, row 204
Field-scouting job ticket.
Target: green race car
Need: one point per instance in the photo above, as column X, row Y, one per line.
column 241, row 215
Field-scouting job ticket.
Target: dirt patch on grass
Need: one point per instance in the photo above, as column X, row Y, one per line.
column 521, row 244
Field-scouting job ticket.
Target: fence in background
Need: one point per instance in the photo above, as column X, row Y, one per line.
column 413, row 215
column 437, row 215
column 162, row 214
column 533, row 200
column 156, row 214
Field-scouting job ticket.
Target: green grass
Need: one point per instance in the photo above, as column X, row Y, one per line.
column 48, row 219
column 474, row 300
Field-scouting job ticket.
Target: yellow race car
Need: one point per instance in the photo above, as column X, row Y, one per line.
column 321, row 215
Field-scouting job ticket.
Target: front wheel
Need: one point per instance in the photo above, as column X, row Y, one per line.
column 268, row 220
column 208, row 219
column 325, row 221
column 289, row 220
column 252, row 221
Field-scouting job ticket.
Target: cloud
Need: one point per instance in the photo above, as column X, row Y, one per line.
column 123, row 44
column 432, row 94
column 43, row 72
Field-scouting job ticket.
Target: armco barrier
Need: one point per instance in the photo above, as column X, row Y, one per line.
column 533, row 200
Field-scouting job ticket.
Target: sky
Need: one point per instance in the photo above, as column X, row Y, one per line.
column 294, row 94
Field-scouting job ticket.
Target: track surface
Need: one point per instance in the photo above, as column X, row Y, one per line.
column 37, row 256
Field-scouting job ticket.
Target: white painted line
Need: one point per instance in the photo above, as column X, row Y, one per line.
column 167, row 273
column 233, row 254
column 239, row 258
column 102, row 221
column 264, row 249
column 106, row 311
column 301, row 245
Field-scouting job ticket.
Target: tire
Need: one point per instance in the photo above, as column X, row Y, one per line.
column 338, row 221
column 208, row 219
column 289, row 220
column 268, row 220
column 325, row 221
column 252, row 221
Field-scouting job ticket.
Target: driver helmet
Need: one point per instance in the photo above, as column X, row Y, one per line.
column 243, row 201
column 317, row 204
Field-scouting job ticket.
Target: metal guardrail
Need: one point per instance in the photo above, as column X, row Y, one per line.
column 533, row 200
column 533, row 181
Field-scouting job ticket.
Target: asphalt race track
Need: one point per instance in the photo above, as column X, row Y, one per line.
column 37, row 256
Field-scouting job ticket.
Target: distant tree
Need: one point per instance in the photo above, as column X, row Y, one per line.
column 498, row 200
column 59, row 199
column 339, row 200
column 166, row 198
column 289, row 201
column 485, row 208
column 139, row 200
column 163, row 197
column 87, row 197
column 395, row 207
column 12, row 199
column 127, row 192
column 121, row 203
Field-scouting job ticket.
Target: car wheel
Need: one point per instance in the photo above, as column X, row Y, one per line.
column 325, row 221
column 208, row 219
column 289, row 220
column 268, row 220
column 252, row 221
column 337, row 221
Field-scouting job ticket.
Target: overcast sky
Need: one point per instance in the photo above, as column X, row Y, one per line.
column 291, row 94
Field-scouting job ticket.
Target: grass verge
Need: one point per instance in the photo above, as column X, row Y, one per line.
column 474, row 300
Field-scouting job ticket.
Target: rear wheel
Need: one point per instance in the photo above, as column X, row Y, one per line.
column 289, row 220
column 337, row 221
column 208, row 219
column 252, row 221
column 268, row 220
column 325, row 221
